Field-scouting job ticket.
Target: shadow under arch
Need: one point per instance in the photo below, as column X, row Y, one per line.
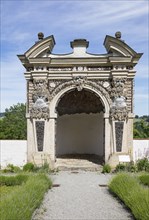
column 56, row 99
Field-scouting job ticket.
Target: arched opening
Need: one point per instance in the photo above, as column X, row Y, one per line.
column 80, row 125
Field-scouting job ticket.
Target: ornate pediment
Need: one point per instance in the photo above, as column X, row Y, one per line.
column 118, row 47
column 38, row 50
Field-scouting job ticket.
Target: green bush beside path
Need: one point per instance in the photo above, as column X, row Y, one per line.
column 132, row 193
column 20, row 203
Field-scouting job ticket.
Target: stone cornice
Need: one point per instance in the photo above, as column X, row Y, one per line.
column 71, row 62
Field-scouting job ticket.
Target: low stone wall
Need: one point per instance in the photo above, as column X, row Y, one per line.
column 140, row 149
column 15, row 151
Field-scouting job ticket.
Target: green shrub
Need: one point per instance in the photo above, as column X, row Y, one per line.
column 9, row 169
column 106, row 168
column 42, row 169
column 12, row 180
column 23, row 200
column 28, row 167
column 135, row 196
column 143, row 164
column 131, row 167
column 144, row 179
column 17, row 169
column 12, row 169
column 120, row 167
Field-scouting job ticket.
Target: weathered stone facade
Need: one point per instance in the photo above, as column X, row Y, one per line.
column 102, row 83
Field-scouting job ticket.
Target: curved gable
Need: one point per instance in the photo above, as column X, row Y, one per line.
column 119, row 47
column 41, row 47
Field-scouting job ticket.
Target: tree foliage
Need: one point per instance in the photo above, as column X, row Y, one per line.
column 13, row 125
column 141, row 127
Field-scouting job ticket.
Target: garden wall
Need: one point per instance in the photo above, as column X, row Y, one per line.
column 140, row 149
column 15, row 151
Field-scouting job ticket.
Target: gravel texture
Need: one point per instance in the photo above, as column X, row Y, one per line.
column 79, row 197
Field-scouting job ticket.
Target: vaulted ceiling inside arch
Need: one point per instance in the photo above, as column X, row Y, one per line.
column 76, row 101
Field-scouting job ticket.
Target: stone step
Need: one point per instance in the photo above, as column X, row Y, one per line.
column 77, row 164
column 66, row 168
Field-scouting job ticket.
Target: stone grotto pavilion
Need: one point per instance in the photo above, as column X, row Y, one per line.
column 79, row 103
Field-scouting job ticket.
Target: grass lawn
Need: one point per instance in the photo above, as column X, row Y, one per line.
column 132, row 191
column 19, row 201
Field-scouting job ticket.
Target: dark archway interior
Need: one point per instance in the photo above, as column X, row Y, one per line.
column 80, row 125
column 79, row 102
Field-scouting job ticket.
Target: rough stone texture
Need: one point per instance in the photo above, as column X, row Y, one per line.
column 79, row 102
column 129, row 88
column 80, row 197
column 77, row 162
column 40, row 134
column 119, row 126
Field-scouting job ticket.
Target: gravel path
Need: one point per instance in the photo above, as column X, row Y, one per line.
column 79, row 197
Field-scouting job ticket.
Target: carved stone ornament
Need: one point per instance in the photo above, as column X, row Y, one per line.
column 40, row 134
column 118, row 115
column 119, row 126
column 40, row 108
column 117, row 87
column 79, row 81
column 118, row 111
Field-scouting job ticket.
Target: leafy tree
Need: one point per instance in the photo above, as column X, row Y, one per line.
column 141, row 128
column 13, row 125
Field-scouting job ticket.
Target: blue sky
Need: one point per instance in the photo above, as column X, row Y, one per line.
column 67, row 20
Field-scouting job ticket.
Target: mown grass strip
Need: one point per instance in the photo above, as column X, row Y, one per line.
column 23, row 200
column 135, row 196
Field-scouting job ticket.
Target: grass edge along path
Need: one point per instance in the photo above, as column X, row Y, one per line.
column 21, row 203
column 134, row 195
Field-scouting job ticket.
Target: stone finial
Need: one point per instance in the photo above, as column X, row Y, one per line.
column 79, row 43
column 118, row 35
column 40, row 36
column 79, row 46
